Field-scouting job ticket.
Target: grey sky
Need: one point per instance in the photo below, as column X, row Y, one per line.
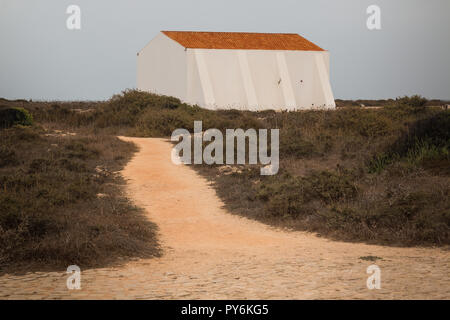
column 41, row 59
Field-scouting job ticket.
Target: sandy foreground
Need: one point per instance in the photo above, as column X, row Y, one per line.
column 211, row 254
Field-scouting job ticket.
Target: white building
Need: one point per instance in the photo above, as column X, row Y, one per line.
column 223, row 70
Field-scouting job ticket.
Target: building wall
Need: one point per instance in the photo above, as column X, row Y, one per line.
column 161, row 67
column 259, row 79
column 215, row 79
column 309, row 73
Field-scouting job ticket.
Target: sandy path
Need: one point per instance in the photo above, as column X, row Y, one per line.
column 209, row 253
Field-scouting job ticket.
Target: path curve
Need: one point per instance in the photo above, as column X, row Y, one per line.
column 211, row 254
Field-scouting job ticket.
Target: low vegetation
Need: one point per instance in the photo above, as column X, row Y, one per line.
column 62, row 201
column 14, row 116
column 379, row 175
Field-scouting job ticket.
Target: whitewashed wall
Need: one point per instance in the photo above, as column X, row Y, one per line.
column 161, row 67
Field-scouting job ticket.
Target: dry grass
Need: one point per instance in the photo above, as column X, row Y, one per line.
column 62, row 200
column 379, row 176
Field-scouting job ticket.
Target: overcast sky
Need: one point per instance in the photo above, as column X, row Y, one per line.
column 41, row 59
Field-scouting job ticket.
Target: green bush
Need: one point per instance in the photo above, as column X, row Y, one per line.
column 365, row 123
column 289, row 196
column 15, row 116
column 415, row 101
column 425, row 140
column 128, row 108
column 163, row 122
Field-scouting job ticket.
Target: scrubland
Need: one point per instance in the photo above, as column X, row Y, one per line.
column 377, row 175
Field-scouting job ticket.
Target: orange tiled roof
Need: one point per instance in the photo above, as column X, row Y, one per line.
column 241, row 40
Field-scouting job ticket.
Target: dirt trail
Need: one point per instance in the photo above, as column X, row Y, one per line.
column 209, row 253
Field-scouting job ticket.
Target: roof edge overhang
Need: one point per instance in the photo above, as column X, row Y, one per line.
column 317, row 51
